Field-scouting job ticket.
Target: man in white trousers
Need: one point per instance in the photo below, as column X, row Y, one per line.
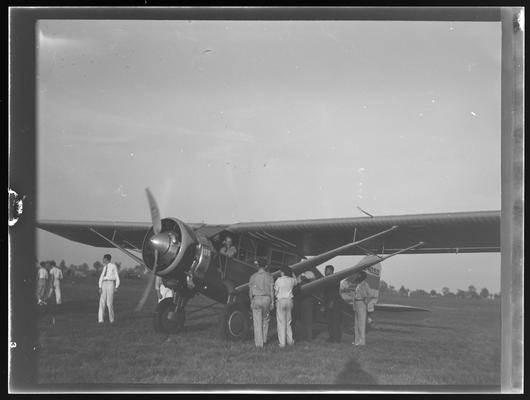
column 109, row 281
column 360, row 299
column 57, row 275
column 283, row 289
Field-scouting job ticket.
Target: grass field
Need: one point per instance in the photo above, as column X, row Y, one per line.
column 458, row 343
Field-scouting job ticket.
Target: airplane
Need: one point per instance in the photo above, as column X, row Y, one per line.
column 188, row 259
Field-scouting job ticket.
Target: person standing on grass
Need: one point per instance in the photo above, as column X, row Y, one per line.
column 332, row 301
column 261, row 292
column 109, row 281
column 360, row 300
column 283, row 289
column 42, row 278
column 56, row 276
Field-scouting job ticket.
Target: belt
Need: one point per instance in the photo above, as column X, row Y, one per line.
column 358, row 299
column 109, row 280
column 261, row 295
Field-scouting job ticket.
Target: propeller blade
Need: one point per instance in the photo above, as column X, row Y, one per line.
column 149, row 286
column 155, row 213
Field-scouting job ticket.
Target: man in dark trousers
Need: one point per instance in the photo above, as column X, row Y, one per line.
column 333, row 308
column 304, row 308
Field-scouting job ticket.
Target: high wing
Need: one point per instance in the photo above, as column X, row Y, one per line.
column 464, row 232
column 129, row 235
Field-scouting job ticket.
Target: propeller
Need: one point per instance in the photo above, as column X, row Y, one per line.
column 156, row 242
column 155, row 213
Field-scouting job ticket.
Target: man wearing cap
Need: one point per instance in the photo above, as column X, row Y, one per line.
column 261, row 292
column 109, row 281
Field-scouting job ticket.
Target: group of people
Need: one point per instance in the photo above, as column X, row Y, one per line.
column 49, row 278
column 264, row 293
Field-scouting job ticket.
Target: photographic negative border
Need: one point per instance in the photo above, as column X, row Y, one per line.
column 23, row 352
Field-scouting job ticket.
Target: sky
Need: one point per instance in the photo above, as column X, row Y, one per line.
column 234, row 121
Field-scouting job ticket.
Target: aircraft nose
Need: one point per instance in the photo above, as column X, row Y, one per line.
column 160, row 242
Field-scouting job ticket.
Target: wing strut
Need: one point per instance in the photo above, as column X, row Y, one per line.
column 114, row 244
column 306, row 265
column 363, row 264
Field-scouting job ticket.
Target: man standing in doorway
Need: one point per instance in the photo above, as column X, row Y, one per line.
column 229, row 251
column 109, row 281
column 261, row 292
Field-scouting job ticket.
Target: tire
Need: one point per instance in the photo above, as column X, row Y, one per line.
column 162, row 323
column 235, row 322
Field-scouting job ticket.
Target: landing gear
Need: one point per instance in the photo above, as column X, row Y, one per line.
column 235, row 322
column 170, row 315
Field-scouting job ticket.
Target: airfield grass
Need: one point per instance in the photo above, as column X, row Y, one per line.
column 457, row 343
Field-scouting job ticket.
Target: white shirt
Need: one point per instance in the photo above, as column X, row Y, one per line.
column 110, row 273
column 43, row 274
column 56, row 273
column 283, row 287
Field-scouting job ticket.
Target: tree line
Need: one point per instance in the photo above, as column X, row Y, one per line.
column 470, row 293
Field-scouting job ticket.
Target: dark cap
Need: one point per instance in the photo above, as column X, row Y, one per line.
column 262, row 263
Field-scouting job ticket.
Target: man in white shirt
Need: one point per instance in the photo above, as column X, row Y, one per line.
column 56, row 275
column 283, row 289
column 109, row 281
column 162, row 291
column 42, row 278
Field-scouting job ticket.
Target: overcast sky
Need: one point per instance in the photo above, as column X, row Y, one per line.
column 232, row 121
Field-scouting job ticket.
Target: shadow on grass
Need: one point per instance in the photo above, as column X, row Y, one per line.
column 199, row 327
column 352, row 374
column 445, row 328
column 390, row 330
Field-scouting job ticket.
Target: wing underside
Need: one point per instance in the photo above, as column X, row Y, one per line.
column 466, row 232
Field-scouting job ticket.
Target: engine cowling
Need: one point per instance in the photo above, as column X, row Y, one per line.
column 176, row 244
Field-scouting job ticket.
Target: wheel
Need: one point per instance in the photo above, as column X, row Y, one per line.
column 235, row 322
column 167, row 320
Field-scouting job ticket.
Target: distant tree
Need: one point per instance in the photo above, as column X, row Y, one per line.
column 433, row 293
column 139, row 269
column 445, row 291
column 62, row 265
column 391, row 289
column 496, row 296
column 83, row 267
column 472, row 289
column 419, row 293
column 484, row 293
column 118, row 265
column 403, row 291
column 98, row 266
column 383, row 286
column 461, row 294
